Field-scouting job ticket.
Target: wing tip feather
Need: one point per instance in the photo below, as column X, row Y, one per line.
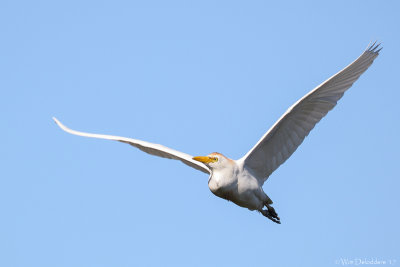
column 65, row 128
column 373, row 48
column 59, row 124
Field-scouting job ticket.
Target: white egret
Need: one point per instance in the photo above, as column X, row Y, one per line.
column 241, row 181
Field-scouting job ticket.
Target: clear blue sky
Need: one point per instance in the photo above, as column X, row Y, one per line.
column 197, row 76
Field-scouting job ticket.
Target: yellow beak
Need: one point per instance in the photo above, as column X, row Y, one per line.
column 203, row 159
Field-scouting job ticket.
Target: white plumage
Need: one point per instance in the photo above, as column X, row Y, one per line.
column 240, row 181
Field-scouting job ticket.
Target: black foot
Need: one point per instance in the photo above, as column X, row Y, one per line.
column 271, row 214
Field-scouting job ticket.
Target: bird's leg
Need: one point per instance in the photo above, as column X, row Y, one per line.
column 271, row 214
column 266, row 214
column 272, row 211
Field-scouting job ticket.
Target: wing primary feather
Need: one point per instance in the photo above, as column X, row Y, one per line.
column 150, row 148
column 272, row 149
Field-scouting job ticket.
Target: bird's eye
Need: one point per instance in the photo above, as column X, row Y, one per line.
column 215, row 159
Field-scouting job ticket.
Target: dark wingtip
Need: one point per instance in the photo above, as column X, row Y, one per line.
column 374, row 48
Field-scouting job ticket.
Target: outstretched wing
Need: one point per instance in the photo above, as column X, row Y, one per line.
column 283, row 138
column 153, row 149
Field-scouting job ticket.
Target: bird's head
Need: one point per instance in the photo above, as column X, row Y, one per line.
column 214, row 160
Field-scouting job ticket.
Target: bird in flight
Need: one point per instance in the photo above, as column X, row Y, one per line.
column 241, row 181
